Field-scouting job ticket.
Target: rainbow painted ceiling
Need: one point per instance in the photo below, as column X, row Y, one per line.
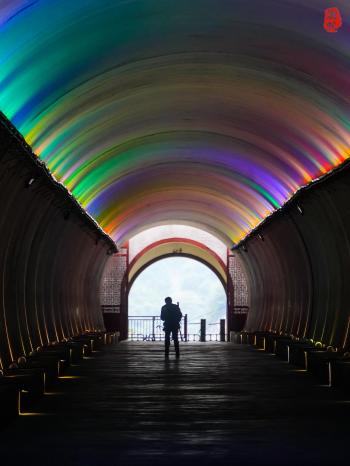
column 210, row 113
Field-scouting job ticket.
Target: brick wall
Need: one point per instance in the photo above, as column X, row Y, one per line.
column 240, row 284
column 116, row 267
column 112, row 278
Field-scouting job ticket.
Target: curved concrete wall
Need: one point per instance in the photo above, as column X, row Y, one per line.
column 51, row 255
column 298, row 264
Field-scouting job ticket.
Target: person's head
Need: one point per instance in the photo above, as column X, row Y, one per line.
column 168, row 300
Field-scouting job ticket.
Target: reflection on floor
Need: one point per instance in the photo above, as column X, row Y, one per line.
column 219, row 404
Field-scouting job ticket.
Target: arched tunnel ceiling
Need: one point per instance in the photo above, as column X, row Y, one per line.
column 203, row 112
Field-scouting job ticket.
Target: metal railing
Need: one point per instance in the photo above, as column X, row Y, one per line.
column 145, row 328
column 150, row 328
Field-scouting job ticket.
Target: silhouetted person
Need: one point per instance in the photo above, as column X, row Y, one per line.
column 171, row 315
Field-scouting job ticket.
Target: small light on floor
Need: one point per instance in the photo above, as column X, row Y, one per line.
column 20, row 412
column 70, row 377
column 305, row 359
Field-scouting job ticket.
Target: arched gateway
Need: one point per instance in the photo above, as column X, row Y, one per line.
column 160, row 242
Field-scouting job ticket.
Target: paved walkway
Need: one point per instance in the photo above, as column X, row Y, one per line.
column 220, row 404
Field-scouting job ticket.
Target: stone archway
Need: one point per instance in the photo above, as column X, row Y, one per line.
column 124, row 267
column 183, row 247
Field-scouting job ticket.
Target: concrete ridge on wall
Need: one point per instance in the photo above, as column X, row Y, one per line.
column 52, row 256
column 64, row 197
column 297, row 196
column 298, row 265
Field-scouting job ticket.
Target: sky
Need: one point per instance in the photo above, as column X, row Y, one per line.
column 198, row 290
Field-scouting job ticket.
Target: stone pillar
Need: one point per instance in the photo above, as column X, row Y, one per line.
column 238, row 294
column 113, row 288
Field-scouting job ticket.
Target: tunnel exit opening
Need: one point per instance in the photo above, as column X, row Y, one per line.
column 180, row 242
column 201, row 295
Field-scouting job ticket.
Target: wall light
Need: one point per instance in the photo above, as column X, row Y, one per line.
column 300, row 209
column 30, row 182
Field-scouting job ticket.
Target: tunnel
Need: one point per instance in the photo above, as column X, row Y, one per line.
column 220, row 129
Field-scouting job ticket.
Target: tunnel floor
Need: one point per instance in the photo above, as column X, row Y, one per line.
column 219, row 404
